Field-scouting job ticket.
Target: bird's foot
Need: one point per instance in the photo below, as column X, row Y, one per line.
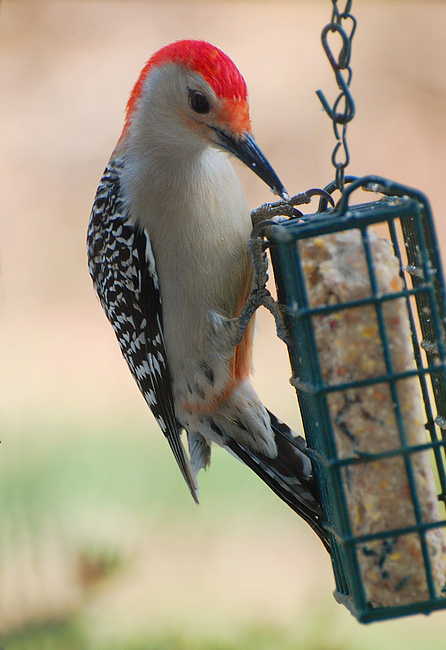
column 230, row 331
column 282, row 210
column 260, row 295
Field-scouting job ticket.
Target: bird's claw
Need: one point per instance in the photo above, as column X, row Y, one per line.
column 287, row 209
column 261, row 217
column 260, row 262
column 260, row 295
column 232, row 330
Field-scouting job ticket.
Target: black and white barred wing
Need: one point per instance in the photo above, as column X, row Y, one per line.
column 122, row 267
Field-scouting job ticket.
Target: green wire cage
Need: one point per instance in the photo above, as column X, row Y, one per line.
column 365, row 559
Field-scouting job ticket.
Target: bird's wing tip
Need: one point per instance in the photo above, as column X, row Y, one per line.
column 184, row 464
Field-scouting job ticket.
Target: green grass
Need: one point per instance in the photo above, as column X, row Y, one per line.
column 102, row 491
column 52, row 636
column 69, row 636
column 67, row 470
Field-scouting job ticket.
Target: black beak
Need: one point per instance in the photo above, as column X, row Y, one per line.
column 246, row 149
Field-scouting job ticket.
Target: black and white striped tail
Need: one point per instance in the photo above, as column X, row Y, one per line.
column 288, row 475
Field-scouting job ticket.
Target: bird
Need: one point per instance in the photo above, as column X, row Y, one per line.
column 168, row 253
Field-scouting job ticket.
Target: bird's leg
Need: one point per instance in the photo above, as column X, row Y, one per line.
column 268, row 214
column 260, row 295
column 230, row 331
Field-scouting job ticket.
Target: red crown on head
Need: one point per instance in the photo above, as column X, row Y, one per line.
column 206, row 59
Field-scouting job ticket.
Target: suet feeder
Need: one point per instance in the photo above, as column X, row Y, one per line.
column 363, row 293
column 369, row 367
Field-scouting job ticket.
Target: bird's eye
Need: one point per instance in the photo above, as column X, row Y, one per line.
column 199, row 102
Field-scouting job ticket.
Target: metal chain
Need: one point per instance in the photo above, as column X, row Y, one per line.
column 343, row 73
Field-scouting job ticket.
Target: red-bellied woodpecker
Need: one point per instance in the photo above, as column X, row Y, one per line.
column 169, row 257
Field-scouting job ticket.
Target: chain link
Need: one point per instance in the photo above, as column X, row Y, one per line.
column 343, row 110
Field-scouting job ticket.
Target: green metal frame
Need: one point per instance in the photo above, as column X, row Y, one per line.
column 405, row 212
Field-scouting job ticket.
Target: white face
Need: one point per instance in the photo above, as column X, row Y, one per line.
column 179, row 115
column 182, row 104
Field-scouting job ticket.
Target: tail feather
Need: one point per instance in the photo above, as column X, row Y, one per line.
column 184, row 464
column 289, row 475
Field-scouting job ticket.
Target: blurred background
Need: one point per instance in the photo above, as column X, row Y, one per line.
column 101, row 546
